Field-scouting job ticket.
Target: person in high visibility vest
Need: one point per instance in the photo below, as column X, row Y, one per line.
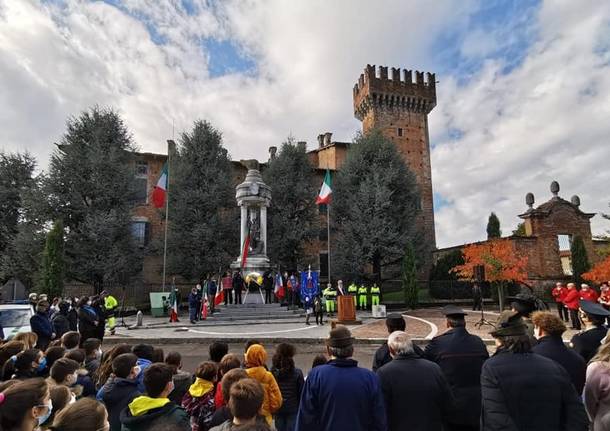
column 330, row 296
column 352, row 289
column 110, row 303
column 362, row 294
column 375, row 295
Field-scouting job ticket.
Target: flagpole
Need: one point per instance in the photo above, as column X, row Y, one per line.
column 170, row 144
column 328, row 238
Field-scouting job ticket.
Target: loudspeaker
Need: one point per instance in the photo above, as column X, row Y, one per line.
column 479, row 272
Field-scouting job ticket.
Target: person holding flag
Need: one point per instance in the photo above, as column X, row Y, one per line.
column 173, row 305
column 279, row 287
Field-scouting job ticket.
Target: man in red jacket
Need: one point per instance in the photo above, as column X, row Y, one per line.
column 588, row 294
column 559, row 293
column 571, row 302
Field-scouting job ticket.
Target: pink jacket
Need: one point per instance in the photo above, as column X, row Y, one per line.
column 597, row 395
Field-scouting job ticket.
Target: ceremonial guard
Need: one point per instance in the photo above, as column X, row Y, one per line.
column 375, row 295
column 352, row 289
column 461, row 356
column 362, row 293
column 330, row 296
column 604, row 297
column 559, row 294
column 588, row 294
column 587, row 342
column 571, row 303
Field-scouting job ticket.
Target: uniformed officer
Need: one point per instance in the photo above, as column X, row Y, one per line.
column 375, row 295
column 461, row 356
column 587, row 342
column 525, row 305
column 352, row 289
column 362, row 293
column 330, row 296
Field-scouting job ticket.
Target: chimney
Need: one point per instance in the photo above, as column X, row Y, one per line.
column 321, row 140
column 327, row 137
column 302, row 145
column 272, row 152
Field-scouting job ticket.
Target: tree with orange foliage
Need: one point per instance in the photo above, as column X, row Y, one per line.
column 501, row 261
column 599, row 273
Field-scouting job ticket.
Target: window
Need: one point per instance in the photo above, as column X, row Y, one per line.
column 565, row 255
column 141, row 169
column 139, row 231
column 140, row 191
column 566, row 265
column 399, row 131
column 565, row 242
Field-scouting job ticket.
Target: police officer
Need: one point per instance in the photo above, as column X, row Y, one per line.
column 587, row 342
column 330, row 295
column 461, row 356
column 352, row 289
column 362, row 293
column 375, row 295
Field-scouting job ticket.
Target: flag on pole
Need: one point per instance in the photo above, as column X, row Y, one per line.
column 246, row 249
column 160, row 190
column 173, row 316
column 279, row 286
column 325, row 192
column 204, row 307
column 220, row 294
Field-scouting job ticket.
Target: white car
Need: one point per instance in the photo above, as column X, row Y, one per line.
column 15, row 318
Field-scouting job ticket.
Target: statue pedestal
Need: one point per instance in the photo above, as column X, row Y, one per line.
column 253, row 264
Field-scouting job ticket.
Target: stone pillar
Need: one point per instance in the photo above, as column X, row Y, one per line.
column 264, row 227
column 244, row 225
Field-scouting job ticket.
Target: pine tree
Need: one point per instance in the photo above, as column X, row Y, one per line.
column 520, row 230
column 442, row 268
column 580, row 260
column 376, row 203
column 52, row 271
column 92, row 190
column 292, row 215
column 203, row 229
column 493, row 226
column 409, row 277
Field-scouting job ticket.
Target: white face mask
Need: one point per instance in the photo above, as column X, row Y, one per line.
column 98, row 354
column 72, row 399
column 537, row 332
column 42, row 419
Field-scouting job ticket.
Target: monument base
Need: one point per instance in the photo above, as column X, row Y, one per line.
column 257, row 263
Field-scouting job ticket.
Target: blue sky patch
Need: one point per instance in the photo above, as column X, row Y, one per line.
column 225, row 57
column 440, row 202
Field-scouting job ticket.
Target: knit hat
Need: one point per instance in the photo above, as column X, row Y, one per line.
column 340, row 336
column 256, row 356
column 509, row 323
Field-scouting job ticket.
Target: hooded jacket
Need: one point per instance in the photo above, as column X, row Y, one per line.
column 116, row 395
column 273, row 397
column 199, row 404
column 143, row 412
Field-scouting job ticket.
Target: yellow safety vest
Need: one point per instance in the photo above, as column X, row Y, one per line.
column 110, row 302
column 375, row 290
column 362, row 291
column 352, row 288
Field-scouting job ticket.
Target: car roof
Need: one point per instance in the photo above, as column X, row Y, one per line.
column 14, row 307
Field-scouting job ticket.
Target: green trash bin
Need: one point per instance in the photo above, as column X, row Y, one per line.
column 159, row 304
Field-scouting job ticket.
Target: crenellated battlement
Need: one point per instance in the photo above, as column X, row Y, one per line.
column 408, row 90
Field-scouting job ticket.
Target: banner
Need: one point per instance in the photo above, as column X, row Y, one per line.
column 309, row 284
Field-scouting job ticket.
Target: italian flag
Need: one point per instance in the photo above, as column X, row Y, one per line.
column 325, row 191
column 160, row 190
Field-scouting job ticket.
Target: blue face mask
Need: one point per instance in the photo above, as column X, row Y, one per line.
column 42, row 419
column 42, row 365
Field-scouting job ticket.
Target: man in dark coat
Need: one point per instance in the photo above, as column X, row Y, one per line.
column 417, row 395
column 522, row 391
column 60, row 321
column 394, row 322
column 548, row 329
column 238, row 286
column 42, row 326
column 593, row 317
column 193, row 305
column 461, row 356
column 340, row 395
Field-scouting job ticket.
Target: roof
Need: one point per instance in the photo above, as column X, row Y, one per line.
column 548, row 207
column 332, row 144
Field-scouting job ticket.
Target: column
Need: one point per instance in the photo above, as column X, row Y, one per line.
column 264, row 228
column 244, row 225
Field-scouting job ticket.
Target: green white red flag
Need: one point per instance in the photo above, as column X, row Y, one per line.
column 160, row 191
column 325, row 191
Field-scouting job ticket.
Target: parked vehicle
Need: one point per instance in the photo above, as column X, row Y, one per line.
column 15, row 318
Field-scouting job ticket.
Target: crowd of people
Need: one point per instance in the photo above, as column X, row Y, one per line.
column 532, row 381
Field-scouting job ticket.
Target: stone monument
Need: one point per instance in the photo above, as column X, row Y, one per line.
column 253, row 197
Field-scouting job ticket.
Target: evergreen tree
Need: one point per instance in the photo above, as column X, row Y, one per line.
column 493, row 226
column 580, row 260
column 292, row 215
column 52, row 272
column 203, row 229
column 442, row 268
column 376, row 203
column 520, row 230
column 91, row 189
column 409, row 277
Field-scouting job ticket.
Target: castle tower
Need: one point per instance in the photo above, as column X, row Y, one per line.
column 399, row 108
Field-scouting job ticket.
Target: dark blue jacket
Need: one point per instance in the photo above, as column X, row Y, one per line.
column 116, row 394
column 554, row 348
column 194, row 300
column 340, row 396
column 42, row 326
column 211, row 288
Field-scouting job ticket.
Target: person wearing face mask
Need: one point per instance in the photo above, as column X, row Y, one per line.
column 24, row 365
column 25, row 405
column 41, row 325
column 64, row 372
column 87, row 320
column 61, row 397
column 85, row 414
column 548, row 330
column 146, row 411
column 120, row 390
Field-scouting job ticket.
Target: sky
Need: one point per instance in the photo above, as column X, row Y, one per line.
column 523, row 96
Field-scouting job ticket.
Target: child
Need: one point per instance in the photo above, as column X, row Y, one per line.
column 199, row 399
column 318, row 310
column 308, row 305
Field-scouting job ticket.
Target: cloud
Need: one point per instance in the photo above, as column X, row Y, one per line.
column 522, row 97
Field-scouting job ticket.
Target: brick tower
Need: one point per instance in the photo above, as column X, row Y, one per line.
column 399, row 108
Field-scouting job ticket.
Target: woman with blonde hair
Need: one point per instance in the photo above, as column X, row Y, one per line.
column 28, row 338
column 255, row 360
column 597, row 389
